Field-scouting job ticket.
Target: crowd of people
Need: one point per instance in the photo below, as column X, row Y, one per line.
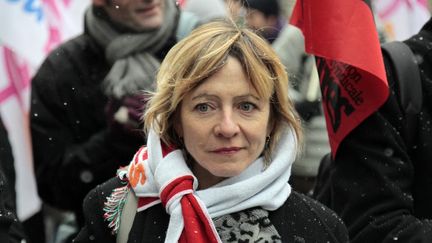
column 204, row 124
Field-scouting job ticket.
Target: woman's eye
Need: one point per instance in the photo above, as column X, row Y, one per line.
column 202, row 107
column 246, row 106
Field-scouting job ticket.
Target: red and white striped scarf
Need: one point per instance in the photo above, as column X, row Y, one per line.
column 159, row 174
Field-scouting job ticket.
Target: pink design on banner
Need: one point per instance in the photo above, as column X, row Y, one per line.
column 52, row 5
column 18, row 75
column 54, row 38
column 423, row 3
column 394, row 5
column 181, row 3
column 66, row 2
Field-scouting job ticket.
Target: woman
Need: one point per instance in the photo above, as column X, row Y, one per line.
column 222, row 135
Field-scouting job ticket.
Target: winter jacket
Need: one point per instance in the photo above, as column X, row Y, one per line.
column 380, row 183
column 74, row 149
column 11, row 230
column 300, row 219
column 7, row 167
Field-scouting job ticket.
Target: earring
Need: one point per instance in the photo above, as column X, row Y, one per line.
column 267, row 141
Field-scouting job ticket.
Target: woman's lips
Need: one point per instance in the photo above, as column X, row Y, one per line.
column 227, row 150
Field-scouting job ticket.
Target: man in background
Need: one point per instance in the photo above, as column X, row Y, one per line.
column 265, row 16
column 87, row 100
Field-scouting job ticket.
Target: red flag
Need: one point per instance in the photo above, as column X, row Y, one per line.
column 343, row 37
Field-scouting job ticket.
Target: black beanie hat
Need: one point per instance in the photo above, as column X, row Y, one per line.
column 268, row 7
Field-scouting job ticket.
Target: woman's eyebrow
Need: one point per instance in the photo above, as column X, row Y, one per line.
column 248, row 96
column 207, row 95
column 204, row 95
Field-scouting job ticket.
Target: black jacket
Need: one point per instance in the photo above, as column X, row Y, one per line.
column 11, row 230
column 74, row 149
column 379, row 184
column 7, row 168
column 300, row 219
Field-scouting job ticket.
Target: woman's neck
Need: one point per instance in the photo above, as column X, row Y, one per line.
column 205, row 178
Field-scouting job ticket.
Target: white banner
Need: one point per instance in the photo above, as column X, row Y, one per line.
column 30, row 29
column 24, row 28
column 401, row 18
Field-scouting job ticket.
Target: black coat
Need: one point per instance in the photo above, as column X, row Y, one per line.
column 7, row 168
column 11, row 230
column 300, row 219
column 379, row 184
column 74, row 149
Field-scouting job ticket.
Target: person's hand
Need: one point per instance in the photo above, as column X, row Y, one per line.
column 131, row 110
column 126, row 113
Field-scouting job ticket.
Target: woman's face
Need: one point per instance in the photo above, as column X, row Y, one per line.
column 224, row 124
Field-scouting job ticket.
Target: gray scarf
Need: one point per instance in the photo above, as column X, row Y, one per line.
column 132, row 54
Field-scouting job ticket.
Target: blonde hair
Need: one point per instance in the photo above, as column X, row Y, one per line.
column 202, row 54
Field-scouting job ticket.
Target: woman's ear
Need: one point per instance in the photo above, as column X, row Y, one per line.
column 270, row 127
column 272, row 121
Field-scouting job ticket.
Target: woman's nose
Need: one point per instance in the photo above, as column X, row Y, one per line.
column 227, row 125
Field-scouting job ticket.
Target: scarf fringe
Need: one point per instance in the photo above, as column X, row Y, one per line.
column 113, row 207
